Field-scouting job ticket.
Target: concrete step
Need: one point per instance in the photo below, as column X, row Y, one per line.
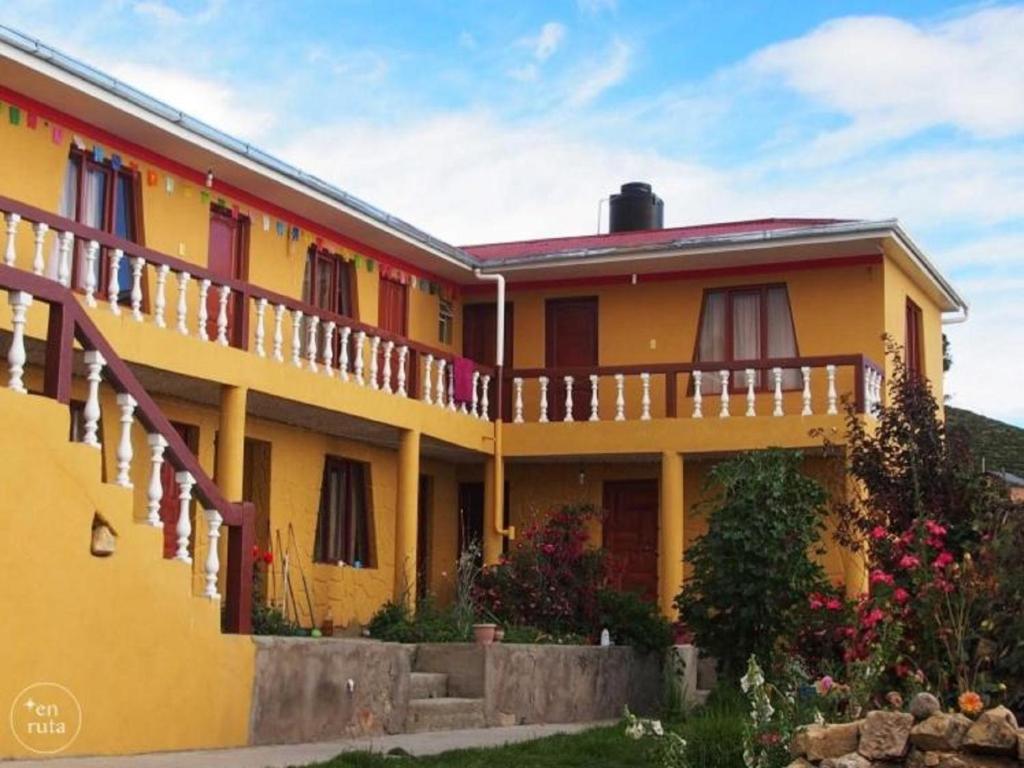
column 700, row 697
column 428, row 685
column 444, row 714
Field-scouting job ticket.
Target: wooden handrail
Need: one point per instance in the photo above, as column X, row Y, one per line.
column 242, row 288
column 69, row 322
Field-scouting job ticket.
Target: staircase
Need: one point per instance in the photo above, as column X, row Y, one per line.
column 431, row 708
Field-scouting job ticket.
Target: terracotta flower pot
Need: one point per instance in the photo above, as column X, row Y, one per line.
column 484, row 633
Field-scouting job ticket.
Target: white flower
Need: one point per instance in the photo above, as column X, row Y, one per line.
column 656, row 728
column 635, row 731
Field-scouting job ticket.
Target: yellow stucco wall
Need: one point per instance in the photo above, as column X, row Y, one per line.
column 898, row 288
column 144, row 657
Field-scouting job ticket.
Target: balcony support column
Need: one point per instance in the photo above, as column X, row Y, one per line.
column 671, row 514
column 231, row 441
column 406, row 517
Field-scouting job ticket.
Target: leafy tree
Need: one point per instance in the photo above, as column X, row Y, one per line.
column 753, row 571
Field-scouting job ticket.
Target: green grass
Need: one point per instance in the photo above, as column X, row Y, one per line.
column 714, row 735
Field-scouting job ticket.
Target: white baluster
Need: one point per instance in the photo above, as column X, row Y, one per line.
column 451, row 387
column 374, row 362
column 67, row 241
column 868, row 406
column 137, row 264
column 389, row 346
column 698, row 398
column 92, row 251
column 645, row 397
column 155, row 492
column 485, row 404
column 312, row 341
column 474, row 403
column 124, row 447
column 329, row 347
column 517, row 412
column 10, row 253
column 403, row 357
column 428, row 365
column 441, row 363
column 830, row 372
column 777, row 396
column 279, row 332
column 543, row 398
column 297, row 338
column 751, row 398
column 183, row 280
column 204, row 313
column 357, row 353
column 19, row 301
column 113, row 286
column 343, row 352
column 212, row 566
column 94, row 363
column 222, row 315
column 620, row 397
column 38, row 260
column 807, row 390
column 184, row 526
column 568, row 398
column 724, row 379
column 261, row 311
column 594, row 402
column 160, row 302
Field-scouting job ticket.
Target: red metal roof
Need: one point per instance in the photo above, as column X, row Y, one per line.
column 497, row 251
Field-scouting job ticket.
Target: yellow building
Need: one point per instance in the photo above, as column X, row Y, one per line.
column 209, row 351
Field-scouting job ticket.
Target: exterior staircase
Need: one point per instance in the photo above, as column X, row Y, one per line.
column 432, row 709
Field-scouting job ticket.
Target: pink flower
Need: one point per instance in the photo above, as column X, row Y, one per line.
column 900, row 595
column 872, row 617
column 834, row 604
column 815, row 601
column 878, row 532
column 881, row 577
column 909, row 561
column 945, row 558
column 934, row 528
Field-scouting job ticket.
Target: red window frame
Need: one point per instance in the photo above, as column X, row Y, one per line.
column 914, row 342
column 341, row 289
column 736, row 382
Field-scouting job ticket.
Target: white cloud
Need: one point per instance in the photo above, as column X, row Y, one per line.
column 594, row 7
column 166, row 15
column 548, row 40
column 892, row 78
column 608, row 73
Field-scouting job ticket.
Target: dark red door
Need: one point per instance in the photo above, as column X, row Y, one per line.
column 570, row 342
column 479, row 339
column 631, row 533
column 393, row 317
column 169, row 504
column 228, row 257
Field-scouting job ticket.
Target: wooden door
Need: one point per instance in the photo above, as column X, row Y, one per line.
column 393, row 317
column 479, row 339
column 256, row 488
column 631, row 533
column 169, row 505
column 228, row 259
column 570, row 341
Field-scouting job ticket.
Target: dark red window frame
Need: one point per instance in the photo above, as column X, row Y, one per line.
column 341, row 294
column 914, row 347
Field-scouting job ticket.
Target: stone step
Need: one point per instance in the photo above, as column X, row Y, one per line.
column 428, row 685
column 444, row 714
column 700, row 697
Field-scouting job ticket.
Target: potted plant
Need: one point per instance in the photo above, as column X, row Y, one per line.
column 483, row 633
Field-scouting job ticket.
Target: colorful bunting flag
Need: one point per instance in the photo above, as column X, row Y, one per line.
column 31, row 120
column 14, row 115
column 115, row 162
column 97, row 153
column 204, row 197
column 295, row 234
column 280, row 227
column 151, row 178
column 168, row 184
column 369, row 265
column 266, row 223
column 57, row 135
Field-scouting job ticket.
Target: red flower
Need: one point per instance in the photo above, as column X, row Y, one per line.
column 872, row 617
column 268, row 557
column 909, row 561
column 881, row 577
column 878, row 532
column 255, row 552
column 815, row 601
column 900, row 595
column 934, row 528
column 834, row 604
column 944, row 558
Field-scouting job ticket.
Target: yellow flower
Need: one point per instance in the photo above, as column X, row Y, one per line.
column 970, row 703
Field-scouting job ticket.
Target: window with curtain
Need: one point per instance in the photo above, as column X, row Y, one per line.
column 97, row 194
column 343, row 531
column 746, row 324
column 914, row 346
column 328, row 282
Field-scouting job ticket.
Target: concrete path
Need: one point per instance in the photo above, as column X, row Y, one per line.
column 284, row 755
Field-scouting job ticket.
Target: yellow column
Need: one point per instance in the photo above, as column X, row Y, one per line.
column 407, row 516
column 492, row 539
column 670, row 533
column 231, row 442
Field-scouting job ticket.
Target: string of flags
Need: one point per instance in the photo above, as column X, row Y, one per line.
column 18, row 116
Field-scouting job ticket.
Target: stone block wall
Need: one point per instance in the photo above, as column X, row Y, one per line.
column 925, row 737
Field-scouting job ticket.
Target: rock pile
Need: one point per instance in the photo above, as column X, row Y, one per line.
column 924, row 737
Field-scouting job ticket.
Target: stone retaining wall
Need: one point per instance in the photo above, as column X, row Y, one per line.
column 925, row 737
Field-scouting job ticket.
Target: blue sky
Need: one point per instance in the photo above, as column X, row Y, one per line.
column 482, row 121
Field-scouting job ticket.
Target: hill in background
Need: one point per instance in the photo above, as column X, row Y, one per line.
column 999, row 445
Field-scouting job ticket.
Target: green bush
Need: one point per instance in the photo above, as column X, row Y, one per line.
column 267, row 620
column 752, row 570
column 631, row 620
column 394, row 623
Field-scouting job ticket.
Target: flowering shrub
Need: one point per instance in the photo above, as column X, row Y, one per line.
column 766, row 737
column 668, row 747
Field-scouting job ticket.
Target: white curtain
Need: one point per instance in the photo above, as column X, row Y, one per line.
column 781, row 341
column 92, row 215
column 746, row 333
column 711, row 346
column 65, row 208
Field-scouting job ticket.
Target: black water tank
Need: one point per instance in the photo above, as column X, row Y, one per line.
column 635, row 207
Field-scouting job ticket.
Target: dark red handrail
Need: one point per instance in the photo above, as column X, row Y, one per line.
column 68, row 322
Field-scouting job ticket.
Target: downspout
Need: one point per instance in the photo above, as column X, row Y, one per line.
column 498, row 477
column 961, row 318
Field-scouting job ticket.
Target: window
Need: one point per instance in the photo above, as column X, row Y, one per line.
column 107, row 198
column 329, row 282
column 445, row 322
column 749, row 323
column 343, row 531
column 914, row 350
